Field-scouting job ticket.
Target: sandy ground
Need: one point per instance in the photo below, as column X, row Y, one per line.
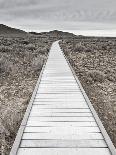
column 94, row 62
column 21, row 60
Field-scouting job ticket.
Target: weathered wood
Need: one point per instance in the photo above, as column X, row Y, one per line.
column 61, row 124
column 61, row 119
column 44, row 114
column 64, row 110
column 60, row 105
column 61, row 96
column 60, row 99
column 62, row 129
column 56, row 143
column 61, row 136
column 63, row 151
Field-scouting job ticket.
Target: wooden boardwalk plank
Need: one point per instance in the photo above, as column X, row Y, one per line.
column 60, row 105
column 61, row 119
column 62, row 135
column 60, row 114
column 61, row 124
column 62, row 130
column 63, row 151
column 57, row 110
column 51, row 143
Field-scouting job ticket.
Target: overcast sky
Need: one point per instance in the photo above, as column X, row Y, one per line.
column 59, row 14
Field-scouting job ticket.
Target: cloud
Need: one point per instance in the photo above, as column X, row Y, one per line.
column 59, row 14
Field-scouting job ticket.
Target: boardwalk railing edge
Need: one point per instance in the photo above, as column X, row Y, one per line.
column 17, row 141
column 98, row 121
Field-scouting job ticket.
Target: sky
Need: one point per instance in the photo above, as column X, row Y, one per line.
column 73, row 15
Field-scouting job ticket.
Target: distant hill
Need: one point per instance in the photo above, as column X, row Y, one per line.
column 8, row 31
column 61, row 34
column 55, row 33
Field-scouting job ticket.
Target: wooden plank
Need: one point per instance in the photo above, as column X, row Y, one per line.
column 57, row 90
column 61, row 119
column 58, row 78
column 62, row 129
column 59, row 99
column 69, row 80
column 63, row 151
column 57, row 84
column 67, row 96
column 59, row 105
column 58, row 74
column 59, row 114
column 59, row 87
column 76, row 96
column 62, row 103
column 64, row 110
column 62, row 136
column 59, row 124
column 56, row 143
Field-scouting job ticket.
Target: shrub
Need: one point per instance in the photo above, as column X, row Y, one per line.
column 111, row 75
column 25, row 42
column 5, row 49
column 79, row 48
column 96, row 75
column 37, row 63
column 5, row 66
column 31, row 47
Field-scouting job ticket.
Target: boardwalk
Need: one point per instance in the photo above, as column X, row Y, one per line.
column 60, row 120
